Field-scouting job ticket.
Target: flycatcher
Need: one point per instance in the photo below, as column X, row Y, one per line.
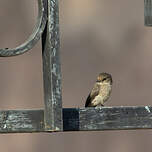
column 101, row 91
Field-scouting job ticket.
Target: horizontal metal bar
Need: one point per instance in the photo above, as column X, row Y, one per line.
column 75, row 119
column 17, row 121
column 107, row 118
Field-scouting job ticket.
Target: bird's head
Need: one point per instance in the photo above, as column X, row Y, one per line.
column 105, row 78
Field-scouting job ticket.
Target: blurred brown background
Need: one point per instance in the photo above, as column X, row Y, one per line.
column 96, row 36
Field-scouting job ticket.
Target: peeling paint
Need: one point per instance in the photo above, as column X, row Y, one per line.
column 147, row 108
column 54, row 69
column 57, row 128
column 53, row 51
column 5, row 126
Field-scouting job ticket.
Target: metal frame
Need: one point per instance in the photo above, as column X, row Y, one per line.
column 84, row 119
column 54, row 118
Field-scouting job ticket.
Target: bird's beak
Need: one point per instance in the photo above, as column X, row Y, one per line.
column 98, row 79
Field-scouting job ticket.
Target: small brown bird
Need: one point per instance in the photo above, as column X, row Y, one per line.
column 101, row 91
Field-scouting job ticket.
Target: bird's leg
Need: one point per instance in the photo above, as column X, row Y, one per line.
column 100, row 105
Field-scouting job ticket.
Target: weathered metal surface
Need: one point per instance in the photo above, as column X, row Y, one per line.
column 84, row 119
column 34, row 37
column 107, row 118
column 18, row 121
column 51, row 70
column 50, row 119
column 148, row 12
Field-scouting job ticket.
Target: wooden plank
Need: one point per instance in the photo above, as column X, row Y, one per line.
column 19, row 121
column 107, row 118
column 148, row 12
column 52, row 70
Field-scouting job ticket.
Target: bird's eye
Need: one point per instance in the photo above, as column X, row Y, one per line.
column 104, row 79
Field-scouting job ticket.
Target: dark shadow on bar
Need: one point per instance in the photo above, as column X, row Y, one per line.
column 70, row 119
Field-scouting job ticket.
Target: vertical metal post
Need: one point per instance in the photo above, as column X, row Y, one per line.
column 52, row 70
column 148, row 12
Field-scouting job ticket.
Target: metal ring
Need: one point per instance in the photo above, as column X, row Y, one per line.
column 34, row 37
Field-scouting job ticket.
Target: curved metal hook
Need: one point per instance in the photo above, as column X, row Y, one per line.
column 34, row 37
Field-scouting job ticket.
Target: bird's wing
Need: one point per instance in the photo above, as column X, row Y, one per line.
column 92, row 95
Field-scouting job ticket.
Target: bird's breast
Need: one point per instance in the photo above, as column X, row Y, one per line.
column 105, row 90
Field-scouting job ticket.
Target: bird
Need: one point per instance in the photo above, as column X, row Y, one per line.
column 101, row 91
